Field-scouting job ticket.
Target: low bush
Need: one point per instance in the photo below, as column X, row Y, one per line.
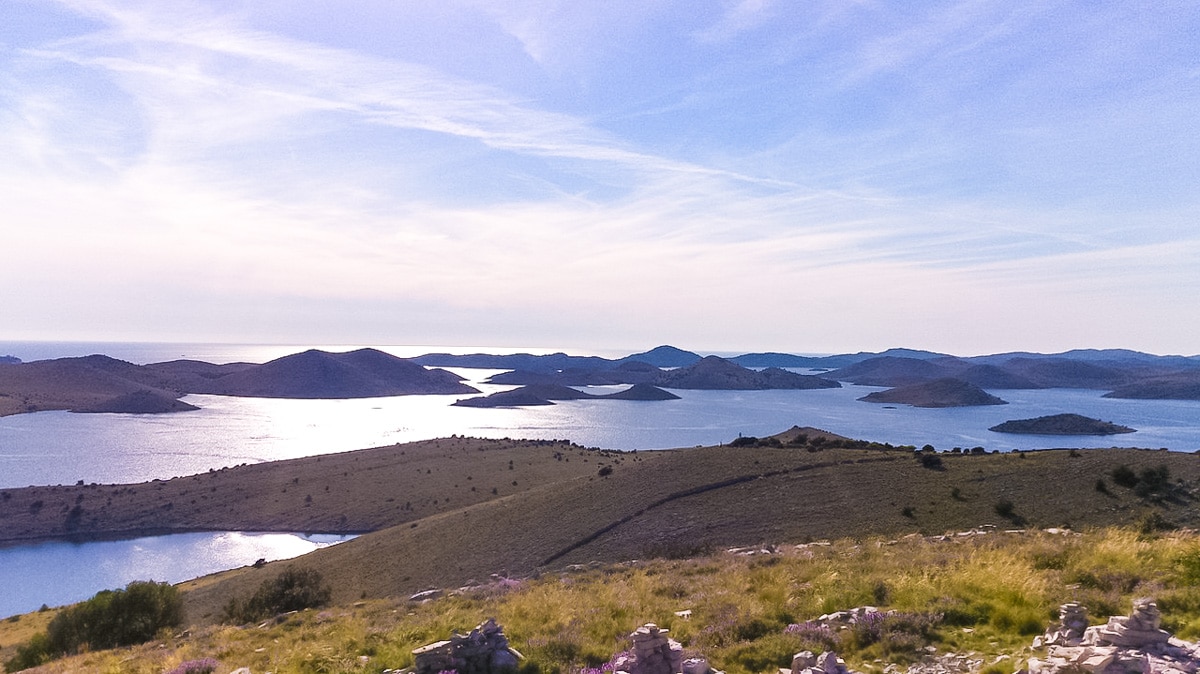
column 110, row 619
column 295, row 589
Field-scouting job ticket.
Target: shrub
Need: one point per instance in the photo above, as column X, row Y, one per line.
column 1154, row 483
column 1004, row 508
column 930, row 461
column 744, row 441
column 110, row 619
column 1124, row 476
column 295, row 589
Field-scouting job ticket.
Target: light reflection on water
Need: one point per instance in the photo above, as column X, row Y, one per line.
column 61, row 448
column 60, row 573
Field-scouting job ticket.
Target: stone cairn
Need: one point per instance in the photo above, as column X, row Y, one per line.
column 484, row 651
column 1072, row 622
column 655, row 653
column 1132, row 644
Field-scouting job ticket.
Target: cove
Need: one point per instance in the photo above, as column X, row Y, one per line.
column 56, row 573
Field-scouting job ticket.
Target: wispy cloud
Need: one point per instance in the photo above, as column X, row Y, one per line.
column 236, row 165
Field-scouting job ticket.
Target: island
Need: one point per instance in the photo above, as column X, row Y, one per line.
column 99, row 383
column 1061, row 424
column 545, row 394
column 936, row 393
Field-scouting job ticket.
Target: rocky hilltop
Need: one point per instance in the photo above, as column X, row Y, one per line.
column 1061, row 424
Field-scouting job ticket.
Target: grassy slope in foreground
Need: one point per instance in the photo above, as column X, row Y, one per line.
column 436, row 522
column 993, row 591
column 682, row 502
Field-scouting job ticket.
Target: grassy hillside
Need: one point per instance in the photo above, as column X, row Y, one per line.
column 347, row 492
column 685, row 502
column 983, row 594
column 462, row 512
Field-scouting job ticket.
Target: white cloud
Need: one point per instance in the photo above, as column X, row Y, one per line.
column 255, row 166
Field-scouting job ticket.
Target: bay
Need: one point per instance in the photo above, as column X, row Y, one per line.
column 57, row 573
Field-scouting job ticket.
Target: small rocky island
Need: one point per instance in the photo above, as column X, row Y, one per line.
column 936, row 393
column 1061, row 424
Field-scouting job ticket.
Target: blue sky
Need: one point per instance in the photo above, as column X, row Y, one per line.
column 969, row 177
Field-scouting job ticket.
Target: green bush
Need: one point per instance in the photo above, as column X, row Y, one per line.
column 1154, row 483
column 111, row 618
column 295, row 589
column 1124, row 476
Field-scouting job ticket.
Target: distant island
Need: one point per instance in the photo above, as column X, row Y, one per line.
column 100, row 383
column 937, row 393
column 545, row 394
column 1061, row 424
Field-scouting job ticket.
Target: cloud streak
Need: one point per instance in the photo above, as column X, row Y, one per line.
column 235, row 165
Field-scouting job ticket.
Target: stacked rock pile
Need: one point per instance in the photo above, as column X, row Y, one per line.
column 653, row 653
column 1072, row 622
column 1138, row 630
column 1132, row 644
column 484, row 651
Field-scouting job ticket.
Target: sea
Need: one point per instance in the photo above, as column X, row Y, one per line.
column 47, row 448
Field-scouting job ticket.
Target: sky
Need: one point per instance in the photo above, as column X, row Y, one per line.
column 808, row 176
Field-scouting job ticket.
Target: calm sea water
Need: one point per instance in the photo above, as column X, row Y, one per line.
column 60, row 573
column 62, row 448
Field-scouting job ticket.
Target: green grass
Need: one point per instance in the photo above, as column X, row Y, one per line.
column 992, row 593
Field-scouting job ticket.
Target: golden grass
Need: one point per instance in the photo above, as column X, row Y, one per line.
column 993, row 591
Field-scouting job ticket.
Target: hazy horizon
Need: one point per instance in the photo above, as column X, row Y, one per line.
column 754, row 175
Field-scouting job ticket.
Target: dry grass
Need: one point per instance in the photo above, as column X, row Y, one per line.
column 993, row 592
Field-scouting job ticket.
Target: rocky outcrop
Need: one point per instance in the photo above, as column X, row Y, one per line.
column 1133, row 644
column 484, row 651
column 805, row 662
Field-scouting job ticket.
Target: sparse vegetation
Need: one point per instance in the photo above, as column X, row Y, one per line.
column 295, row 589
column 110, row 619
column 748, row 614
